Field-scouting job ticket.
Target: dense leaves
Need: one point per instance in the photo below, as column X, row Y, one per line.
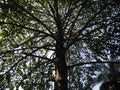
column 30, row 31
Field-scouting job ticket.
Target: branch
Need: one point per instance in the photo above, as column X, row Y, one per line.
column 76, row 17
column 77, row 34
column 21, row 26
column 84, row 63
column 42, row 57
column 37, row 19
column 31, row 71
column 15, row 64
column 26, row 48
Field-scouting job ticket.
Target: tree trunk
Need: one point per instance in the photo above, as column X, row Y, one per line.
column 60, row 68
column 61, row 77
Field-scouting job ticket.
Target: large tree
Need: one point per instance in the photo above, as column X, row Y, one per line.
column 42, row 42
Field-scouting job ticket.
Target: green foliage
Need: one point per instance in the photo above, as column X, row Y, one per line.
column 29, row 30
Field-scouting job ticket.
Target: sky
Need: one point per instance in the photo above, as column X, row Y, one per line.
column 96, row 87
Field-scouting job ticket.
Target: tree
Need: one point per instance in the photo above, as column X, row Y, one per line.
column 42, row 41
column 112, row 84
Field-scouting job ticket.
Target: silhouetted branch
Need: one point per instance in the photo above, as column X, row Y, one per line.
column 84, row 63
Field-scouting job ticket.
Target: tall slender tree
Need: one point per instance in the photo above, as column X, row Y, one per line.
column 42, row 41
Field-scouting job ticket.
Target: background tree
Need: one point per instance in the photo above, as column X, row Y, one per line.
column 53, row 41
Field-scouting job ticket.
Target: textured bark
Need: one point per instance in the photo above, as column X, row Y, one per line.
column 61, row 77
column 60, row 68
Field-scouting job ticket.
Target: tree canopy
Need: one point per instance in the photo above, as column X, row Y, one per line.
column 58, row 44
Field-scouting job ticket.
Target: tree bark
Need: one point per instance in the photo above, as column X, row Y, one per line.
column 61, row 77
column 61, row 82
